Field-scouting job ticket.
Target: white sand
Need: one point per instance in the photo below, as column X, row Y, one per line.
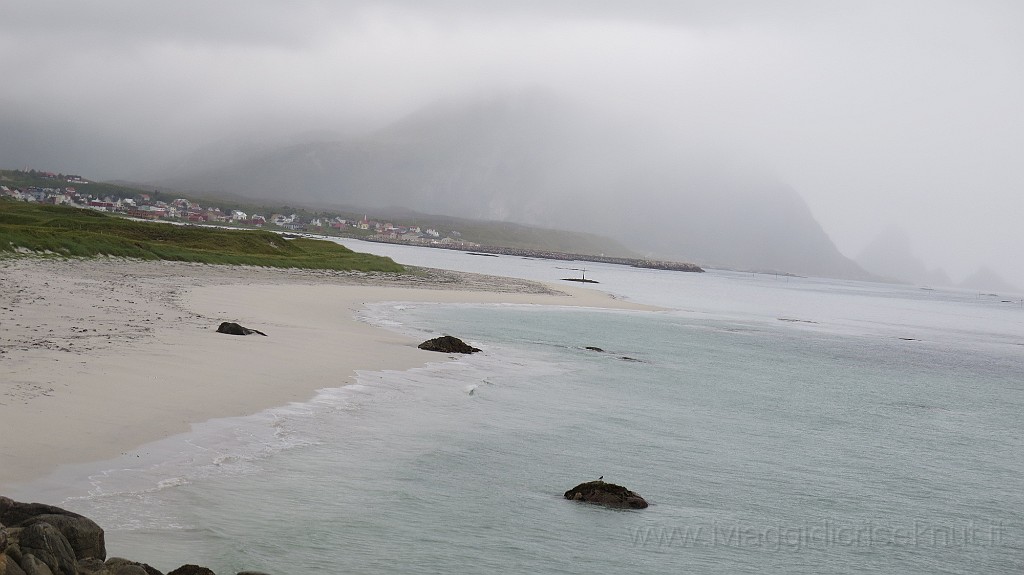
column 98, row 357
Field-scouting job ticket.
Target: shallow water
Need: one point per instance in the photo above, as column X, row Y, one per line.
column 775, row 426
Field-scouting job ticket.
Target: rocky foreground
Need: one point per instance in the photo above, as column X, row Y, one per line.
column 38, row 539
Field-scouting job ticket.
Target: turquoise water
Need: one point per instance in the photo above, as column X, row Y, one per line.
column 764, row 445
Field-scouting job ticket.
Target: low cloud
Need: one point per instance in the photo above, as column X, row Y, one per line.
column 877, row 113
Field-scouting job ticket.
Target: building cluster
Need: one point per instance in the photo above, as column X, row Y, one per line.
column 143, row 206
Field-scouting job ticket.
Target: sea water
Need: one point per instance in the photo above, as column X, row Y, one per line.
column 775, row 425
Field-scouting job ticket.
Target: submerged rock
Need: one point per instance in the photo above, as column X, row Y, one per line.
column 607, row 494
column 447, row 344
column 232, row 328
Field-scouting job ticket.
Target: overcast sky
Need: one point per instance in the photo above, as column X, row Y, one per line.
column 905, row 113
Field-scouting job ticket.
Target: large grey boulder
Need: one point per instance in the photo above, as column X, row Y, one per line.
column 33, row 566
column 607, row 494
column 47, row 544
column 122, row 566
column 92, row 566
column 14, row 512
column 8, row 566
column 129, row 570
column 84, row 535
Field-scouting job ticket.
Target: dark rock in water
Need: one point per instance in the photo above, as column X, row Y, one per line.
column 191, row 570
column 447, row 344
column 622, row 357
column 607, row 494
column 232, row 328
column 580, row 280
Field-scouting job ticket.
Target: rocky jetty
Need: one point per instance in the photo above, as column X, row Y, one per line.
column 607, row 494
column 553, row 255
column 38, row 539
column 447, row 344
column 232, row 328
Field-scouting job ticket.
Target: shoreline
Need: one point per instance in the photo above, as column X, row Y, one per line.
column 104, row 355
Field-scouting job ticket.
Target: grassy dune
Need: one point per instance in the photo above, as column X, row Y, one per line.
column 67, row 231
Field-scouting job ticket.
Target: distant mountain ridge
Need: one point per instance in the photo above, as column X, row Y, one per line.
column 891, row 257
column 987, row 279
column 533, row 159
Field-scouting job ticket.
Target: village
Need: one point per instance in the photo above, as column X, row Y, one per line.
column 72, row 190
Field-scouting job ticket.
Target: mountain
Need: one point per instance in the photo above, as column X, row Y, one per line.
column 534, row 159
column 890, row 255
column 987, row 280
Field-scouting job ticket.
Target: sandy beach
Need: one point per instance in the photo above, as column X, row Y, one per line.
column 99, row 357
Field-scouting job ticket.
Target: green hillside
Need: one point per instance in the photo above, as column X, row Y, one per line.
column 66, row 231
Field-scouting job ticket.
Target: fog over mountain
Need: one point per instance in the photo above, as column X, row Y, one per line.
column 532, row 158
column 890, row 255
column 853, row 115
column 986, row 279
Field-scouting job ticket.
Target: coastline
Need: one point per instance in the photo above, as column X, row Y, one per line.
column 105, row 355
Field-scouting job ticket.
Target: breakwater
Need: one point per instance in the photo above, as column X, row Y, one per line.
column 551, row 255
